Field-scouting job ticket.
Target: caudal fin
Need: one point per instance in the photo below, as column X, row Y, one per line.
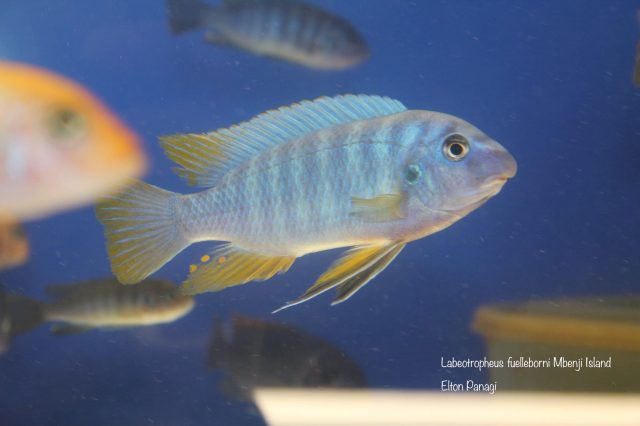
column 185, row 15
column 141, row 229
column 18, row 314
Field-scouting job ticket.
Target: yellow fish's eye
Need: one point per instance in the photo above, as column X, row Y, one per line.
column 455, row 147
column 66, row 125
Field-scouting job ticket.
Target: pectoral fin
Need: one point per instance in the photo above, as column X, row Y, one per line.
column 228, row 266
column 356, row 261
column 382, row 208
column 356, row 282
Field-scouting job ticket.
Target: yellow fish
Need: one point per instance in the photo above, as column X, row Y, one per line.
column 60, row 147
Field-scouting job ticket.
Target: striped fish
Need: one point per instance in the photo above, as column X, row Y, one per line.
column 350, row 171
column 102, row 304
column 285, row 29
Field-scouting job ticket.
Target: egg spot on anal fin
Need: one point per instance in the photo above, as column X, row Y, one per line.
column 234, row 266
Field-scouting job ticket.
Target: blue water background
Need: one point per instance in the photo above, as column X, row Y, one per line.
column 550, row 80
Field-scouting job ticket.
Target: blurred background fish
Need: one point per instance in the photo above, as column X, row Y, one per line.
column 287, row 29
column 256, row 353
column 98, row 304
column 14, row 245
column 350, row 171
column 59, row 146
column 602, row 330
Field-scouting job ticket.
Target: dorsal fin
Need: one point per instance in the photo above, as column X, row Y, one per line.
column 205, row 158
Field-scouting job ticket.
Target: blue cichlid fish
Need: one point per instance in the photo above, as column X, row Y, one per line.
column 350, row 171
column 286, row 29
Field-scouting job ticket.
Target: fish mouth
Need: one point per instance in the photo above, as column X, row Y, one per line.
column 489, row 190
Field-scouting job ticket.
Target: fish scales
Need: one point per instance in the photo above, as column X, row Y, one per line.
column 275, row 194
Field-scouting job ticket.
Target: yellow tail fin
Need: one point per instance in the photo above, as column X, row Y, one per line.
column 140, row 226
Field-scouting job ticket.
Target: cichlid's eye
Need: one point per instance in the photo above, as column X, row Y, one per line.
column 66, row 125
column 455, row 147
column 412, row 174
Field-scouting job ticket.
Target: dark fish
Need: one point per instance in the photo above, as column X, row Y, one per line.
column 285, row 29
column 14, row 245
column 255, row 353
column 104, row 304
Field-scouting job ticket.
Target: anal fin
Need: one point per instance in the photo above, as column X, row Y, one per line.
column 382, row 208
column 355, row 262
column 229, row 266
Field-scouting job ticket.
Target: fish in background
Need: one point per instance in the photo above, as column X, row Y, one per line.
column 286, row 29
column 14, row 245
column 97, row 304
column 60, row 147
column 255, row 353
column 350, row 171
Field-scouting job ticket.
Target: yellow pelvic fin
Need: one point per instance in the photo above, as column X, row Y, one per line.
column 356, row 282
column 382, row 208
column 355, row 261
column 228, row 266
